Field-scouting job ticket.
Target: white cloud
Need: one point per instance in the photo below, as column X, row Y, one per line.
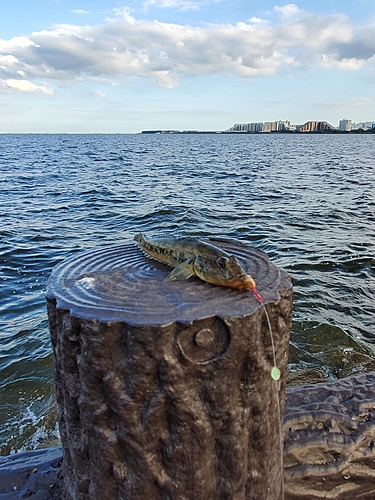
column 184, row 5
column 289, row 11
column 123, row 13
column 164, row 52
column 7, row 60
column 17, row 42
column 24, row 86
column 345, row 63
column 257, row 20
column 80, row 12
column 98, row 93
column 172, row 4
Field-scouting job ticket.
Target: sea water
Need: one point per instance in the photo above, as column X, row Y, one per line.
column 308, row 201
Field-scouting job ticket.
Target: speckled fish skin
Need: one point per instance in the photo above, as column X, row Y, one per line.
column 193, row 257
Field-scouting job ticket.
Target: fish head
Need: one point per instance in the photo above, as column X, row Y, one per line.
column 224, row 271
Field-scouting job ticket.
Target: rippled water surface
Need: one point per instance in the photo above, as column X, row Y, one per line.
column 306, row 200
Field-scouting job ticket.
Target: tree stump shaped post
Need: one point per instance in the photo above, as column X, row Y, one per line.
column 164, row 389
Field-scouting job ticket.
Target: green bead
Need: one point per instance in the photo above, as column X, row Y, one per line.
column 275, row 373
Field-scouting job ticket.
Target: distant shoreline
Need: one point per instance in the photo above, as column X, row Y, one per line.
column 196, row 132
column 273, row 132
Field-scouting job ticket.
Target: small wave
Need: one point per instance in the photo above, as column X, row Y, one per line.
column 36, row 428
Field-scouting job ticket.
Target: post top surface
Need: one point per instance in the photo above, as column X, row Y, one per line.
column 122, row 283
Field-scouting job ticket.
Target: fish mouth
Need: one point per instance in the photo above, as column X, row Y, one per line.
column 244, row 282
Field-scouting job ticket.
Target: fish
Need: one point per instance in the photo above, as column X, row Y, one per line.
column 192, row 257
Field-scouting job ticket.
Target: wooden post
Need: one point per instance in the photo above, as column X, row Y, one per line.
column 164, row 389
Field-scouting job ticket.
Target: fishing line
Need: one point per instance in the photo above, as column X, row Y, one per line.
column 275, row 375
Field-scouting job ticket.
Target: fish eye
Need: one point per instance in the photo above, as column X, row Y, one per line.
column 222, row 261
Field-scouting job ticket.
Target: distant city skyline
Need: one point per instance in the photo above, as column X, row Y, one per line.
column 120, row 66
column 344, row 125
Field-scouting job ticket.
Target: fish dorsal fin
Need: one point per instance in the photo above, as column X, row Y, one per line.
column 183, row 271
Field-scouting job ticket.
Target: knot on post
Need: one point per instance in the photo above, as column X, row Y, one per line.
column 164, row 388
column 205, row 338
column 202, row 344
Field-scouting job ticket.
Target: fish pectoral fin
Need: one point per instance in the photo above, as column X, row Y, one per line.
column 183, row 271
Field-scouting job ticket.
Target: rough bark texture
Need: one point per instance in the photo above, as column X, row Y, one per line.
column 169, row 396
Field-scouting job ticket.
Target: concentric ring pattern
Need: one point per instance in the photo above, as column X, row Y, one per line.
column 122, row 283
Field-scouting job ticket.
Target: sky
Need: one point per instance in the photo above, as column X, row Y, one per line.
column 108, row 66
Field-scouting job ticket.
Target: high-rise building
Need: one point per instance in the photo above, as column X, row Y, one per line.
column 345, row 125
column 315, row 126
column 238, row 127
column 278, row 126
